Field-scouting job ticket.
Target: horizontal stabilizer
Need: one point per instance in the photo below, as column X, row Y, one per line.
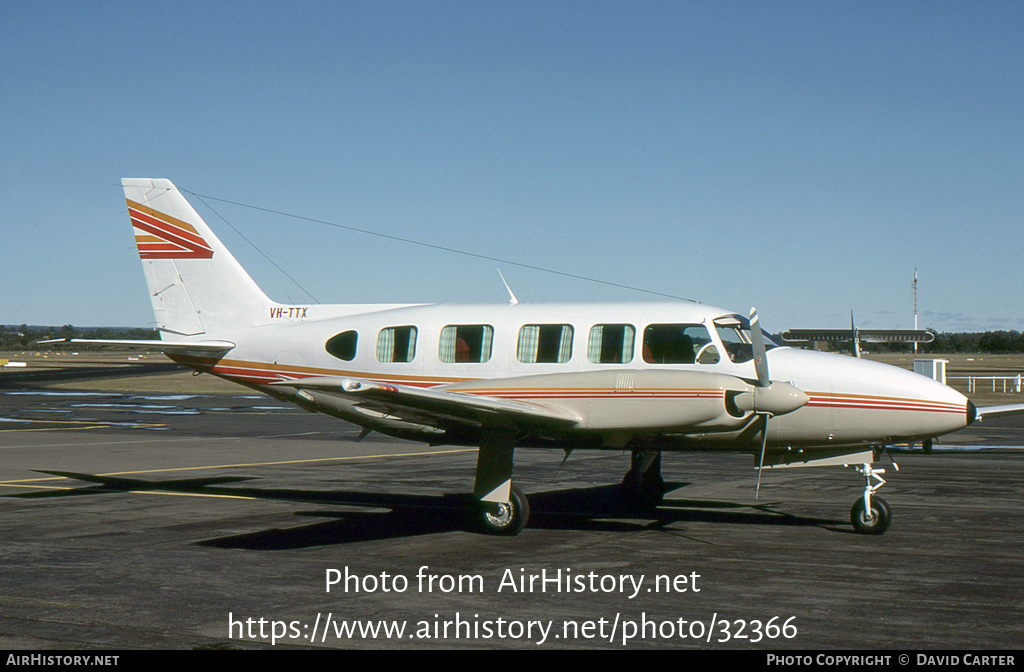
column 479, row 410
column 162, row 346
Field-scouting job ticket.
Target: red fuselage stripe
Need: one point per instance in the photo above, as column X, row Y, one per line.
column 254, row 373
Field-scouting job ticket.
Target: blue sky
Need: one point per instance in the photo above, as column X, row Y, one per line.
column 801, row 157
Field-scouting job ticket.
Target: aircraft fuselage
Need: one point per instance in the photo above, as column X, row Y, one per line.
column 612, row 363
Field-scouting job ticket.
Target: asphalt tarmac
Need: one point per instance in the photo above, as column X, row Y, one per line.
column 181, row 521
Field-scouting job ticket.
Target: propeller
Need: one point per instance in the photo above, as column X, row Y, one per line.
column 760, row 356
column 856, row 337
column 764, row 383
column 767, row 398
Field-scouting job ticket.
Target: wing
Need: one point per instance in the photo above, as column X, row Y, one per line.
column 866, row 335
column 1008, row 409
column 417, row 404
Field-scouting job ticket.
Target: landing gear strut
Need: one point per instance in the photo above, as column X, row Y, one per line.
column 871, row 514
column 503, row 508
column 643, row 485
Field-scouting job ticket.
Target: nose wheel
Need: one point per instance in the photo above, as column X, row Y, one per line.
column 875, row 522
column 871, row 514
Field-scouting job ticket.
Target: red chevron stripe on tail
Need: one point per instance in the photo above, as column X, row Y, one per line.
column 160, row 236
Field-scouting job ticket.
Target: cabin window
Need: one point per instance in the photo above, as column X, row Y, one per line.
column 678, row 344
column 611, row 344
column 544, row 343
column 465, row 343
column 396, row 344
column 343, row 345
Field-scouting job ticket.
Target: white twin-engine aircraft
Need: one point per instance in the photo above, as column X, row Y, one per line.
column 642, row 377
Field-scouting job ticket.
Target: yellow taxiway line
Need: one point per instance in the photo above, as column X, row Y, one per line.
column 76, row 424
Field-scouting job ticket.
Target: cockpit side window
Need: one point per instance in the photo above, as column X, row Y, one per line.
column 678, row 344
column 734, row 330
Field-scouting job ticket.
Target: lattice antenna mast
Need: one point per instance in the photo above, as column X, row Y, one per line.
column 915, row 306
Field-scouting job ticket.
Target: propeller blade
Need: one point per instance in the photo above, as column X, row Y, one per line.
column 856, row 337
column 760, row 359
column 764, row 443
column 763, row 381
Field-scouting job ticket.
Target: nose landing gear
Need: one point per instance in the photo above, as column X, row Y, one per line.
column 871, row 514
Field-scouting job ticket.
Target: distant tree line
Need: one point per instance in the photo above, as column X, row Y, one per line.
column 995, row 342
column 24, row 337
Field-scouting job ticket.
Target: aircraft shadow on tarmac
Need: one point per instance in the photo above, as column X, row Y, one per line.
column 373, row 516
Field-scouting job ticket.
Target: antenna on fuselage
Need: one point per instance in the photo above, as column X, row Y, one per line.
column 512, row 297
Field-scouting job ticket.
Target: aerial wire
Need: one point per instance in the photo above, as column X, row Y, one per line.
column 410, row 241
column 315, row 300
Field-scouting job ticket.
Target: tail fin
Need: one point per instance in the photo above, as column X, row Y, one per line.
column 196, row 286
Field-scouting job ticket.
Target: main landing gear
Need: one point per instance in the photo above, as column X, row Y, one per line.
column 506, row 518
column 643, row 486
column 502, row 507
column 871, row 514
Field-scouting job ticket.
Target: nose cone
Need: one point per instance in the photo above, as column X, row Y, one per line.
column 871, row 401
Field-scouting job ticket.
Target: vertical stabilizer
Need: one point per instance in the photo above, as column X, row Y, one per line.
column 196, row 286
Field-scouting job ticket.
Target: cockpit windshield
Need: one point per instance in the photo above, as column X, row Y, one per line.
column 734, row 330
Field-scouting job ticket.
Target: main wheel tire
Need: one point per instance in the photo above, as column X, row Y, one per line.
column 506, row 519
column 876, row 523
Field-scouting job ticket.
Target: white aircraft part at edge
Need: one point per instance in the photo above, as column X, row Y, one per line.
column 646, row 377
